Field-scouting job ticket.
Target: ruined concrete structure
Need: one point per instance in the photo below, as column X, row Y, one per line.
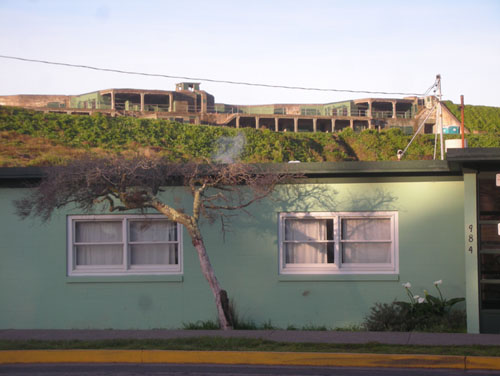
column 189, row 104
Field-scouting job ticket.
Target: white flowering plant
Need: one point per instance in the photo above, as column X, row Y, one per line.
column 428, row 304
column 423, row 313
column 441, row 305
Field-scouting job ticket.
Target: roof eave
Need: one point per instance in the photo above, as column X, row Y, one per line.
column 473, row 155
column 311, row 169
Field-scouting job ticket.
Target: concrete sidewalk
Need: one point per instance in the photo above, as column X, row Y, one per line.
column 396, row 338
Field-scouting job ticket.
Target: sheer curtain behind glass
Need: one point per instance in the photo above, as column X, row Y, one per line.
column 94, row 243
column 153, row 242
column 305, row 230
column 374, row 236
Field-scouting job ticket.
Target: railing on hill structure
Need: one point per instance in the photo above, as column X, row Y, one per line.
column 251, row 111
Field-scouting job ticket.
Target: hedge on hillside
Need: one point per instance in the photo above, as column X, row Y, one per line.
column 477, row 118
column 183, row 142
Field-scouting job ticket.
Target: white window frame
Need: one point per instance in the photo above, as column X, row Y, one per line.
column 125, row 268
column 337, row 267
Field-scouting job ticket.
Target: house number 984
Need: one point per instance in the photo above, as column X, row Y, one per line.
column 471, row 238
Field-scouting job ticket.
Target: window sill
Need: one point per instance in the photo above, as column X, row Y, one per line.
column 124, row 278
column 337, row 277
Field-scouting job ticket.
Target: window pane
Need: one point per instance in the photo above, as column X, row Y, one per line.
column 489, row 236
column 306, row 229
column 366, row 253
column 366, row 229
column 153, row 254
column 98, row 232
column 331, row 252
column 153, row 231
column 306, row 253
column 490, row 296
column 490, row 266
column 99, row 255
column 489, row 207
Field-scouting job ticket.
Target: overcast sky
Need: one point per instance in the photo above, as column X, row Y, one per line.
column 392, row 46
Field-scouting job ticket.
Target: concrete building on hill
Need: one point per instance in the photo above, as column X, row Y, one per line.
column 189, row 104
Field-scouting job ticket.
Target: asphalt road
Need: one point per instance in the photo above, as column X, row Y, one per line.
column 216, row 370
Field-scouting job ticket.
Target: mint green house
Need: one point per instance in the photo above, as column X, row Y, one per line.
column 322, row 254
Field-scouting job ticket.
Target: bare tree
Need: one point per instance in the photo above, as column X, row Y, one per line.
column 142, row 183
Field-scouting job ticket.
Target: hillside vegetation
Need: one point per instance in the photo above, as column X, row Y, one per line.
column 478, row 118
column 29, row 138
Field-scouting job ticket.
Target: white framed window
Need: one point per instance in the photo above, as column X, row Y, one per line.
column 123, row 245
column 338, row 243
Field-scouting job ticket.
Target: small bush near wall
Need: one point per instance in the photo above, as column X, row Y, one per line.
column 426, row 313
column 392, row 317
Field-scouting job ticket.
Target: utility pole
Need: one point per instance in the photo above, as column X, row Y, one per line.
column 462, row 120
column 439, row 119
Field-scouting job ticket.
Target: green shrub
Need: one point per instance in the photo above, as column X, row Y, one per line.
column 201, row 325
column 188, row 142
column 480, row 118
column 396, row 318
column 421, row 313
column 387, row 317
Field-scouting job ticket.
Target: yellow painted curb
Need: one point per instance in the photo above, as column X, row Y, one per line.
column 482, row 362
column 70, row 356
column 250, row 357
column 304, row 359
column 235, row 357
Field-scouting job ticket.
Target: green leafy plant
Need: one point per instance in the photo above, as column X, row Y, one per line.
column 428, row 304
column 201, row 325
column 422, row 313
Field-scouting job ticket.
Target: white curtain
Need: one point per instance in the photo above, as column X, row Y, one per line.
column 153, row 231
column 153, row 235
column 153, row 254
column 366, row 229
column 305, row 230
column 98, row 232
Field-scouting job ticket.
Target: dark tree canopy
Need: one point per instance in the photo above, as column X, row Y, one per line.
column 125, row 184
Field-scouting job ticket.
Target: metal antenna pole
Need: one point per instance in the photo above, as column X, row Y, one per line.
column 439, row 119
column 462, row 117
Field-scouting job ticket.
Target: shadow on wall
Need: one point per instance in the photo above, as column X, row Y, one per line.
column 379, row 199
column 310, row 198
column 304, row 198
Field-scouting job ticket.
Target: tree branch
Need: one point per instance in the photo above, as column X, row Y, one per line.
column 171, row 213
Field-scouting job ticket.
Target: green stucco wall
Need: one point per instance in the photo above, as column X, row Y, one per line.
column 36, row 293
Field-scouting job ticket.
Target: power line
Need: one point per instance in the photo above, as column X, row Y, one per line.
column 203, row 79
column 429, row 89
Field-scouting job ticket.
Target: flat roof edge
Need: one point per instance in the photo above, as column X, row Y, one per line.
column 21, row 172
column 307, row 168
column 371, row 167
column 473, row 154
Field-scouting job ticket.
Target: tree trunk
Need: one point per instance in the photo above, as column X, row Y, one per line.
column 221, row 299
column 191, row 224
